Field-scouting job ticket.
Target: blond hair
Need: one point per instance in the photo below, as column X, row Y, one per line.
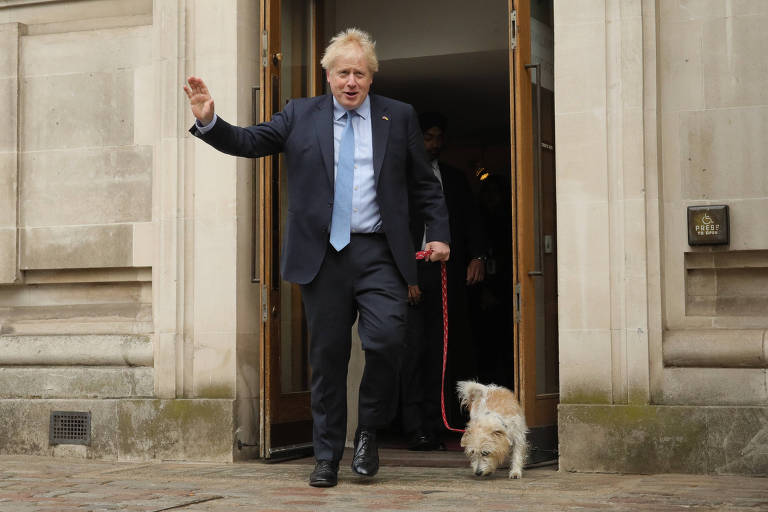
column 341, row 42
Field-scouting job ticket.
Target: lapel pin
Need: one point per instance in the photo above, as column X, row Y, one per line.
column 385, row 118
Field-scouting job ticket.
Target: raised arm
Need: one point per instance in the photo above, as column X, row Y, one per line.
column 251, row 142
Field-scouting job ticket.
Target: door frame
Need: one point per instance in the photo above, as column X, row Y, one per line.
column 540, row 409
column 278, row 408
column 290, row 411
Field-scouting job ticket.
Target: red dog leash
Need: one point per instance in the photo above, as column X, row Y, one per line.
column 424, row 255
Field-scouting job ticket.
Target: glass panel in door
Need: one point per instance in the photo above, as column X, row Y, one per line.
column 288, row 62
column 295, row 82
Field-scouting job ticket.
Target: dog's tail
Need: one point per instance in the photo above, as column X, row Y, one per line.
column 469, row 392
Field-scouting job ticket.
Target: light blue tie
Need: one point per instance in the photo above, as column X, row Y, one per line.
column 341, row 219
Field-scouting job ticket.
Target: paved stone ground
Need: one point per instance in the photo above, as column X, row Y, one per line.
column 63, row 485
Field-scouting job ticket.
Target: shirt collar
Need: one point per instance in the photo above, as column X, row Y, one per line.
column 364, row 110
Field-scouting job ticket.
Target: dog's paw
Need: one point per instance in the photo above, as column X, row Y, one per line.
column 515, row 475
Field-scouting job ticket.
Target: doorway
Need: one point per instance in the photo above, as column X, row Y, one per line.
column 458, row 61
column 453, row 61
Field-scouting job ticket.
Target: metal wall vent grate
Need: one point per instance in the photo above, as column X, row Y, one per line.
column 70, row 427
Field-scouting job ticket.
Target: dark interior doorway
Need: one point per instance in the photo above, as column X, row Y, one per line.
column 453, row 59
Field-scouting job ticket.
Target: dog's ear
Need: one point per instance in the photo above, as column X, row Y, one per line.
column 469, row 391
column 465, row 438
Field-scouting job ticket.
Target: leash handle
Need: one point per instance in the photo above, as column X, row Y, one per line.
column 424, row 255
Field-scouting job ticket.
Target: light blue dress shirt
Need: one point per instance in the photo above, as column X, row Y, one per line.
column 365, row 210
column 203, row 129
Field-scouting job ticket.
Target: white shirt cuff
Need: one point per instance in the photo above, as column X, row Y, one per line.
column 205, row 129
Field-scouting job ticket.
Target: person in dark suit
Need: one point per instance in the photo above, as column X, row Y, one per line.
column 421, row 374
column 355, row 162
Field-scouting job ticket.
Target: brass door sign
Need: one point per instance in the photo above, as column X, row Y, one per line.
column 708, row 225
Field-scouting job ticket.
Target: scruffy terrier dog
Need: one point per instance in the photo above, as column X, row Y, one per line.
column 496, row 428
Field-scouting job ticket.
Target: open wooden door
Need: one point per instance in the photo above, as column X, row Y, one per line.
column 288, row 71
column 534, row 256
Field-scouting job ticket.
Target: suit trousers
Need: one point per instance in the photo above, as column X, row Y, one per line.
column 421, row 374
column 359, row 282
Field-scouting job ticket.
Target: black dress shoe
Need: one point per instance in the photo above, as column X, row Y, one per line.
column 325, row 474
column 366, row 459
column 421, row 442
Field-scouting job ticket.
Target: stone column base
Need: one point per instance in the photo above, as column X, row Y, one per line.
column 126, row 429
column 663, row 439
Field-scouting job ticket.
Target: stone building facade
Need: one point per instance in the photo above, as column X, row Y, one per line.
column 661, row 106
column 127, row 254
column 126, row 272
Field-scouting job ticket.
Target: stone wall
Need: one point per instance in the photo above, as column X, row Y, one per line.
column 76, row 290
column 713, row 110
column 125, row 244
column 662, row 345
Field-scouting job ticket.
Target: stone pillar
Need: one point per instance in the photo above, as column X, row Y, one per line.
column 626, row 196
column 211, row 209
column 206, row 307
column 196, row 200
column 601, row 202
column 10, row 34
column 168, row 206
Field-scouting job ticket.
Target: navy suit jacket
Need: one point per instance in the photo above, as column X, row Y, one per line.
column 304, row 132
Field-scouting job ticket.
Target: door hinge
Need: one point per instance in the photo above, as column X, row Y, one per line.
column 263, row 303
column 265, row 49
column 512, row 30
column 517, row 303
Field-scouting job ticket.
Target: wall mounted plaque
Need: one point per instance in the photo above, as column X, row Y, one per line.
column 708, row 225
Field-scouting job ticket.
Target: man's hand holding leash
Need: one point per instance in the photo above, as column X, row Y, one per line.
column 438, row 251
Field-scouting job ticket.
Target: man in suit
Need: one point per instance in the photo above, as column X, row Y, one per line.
column 421, row 374
column 355, row 162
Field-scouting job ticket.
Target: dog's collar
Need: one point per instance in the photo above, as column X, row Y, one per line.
column 503, row 423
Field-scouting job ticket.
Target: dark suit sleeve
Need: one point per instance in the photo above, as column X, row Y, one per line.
column 426, row 192
column 477, row 243
column 252, row 142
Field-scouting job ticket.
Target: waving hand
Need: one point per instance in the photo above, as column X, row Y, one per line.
column 199, row 99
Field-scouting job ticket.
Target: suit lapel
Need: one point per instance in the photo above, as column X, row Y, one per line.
column 379, row 133
column 324, row 129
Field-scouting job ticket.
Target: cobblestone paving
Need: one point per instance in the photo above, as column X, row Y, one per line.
column 64, row 485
